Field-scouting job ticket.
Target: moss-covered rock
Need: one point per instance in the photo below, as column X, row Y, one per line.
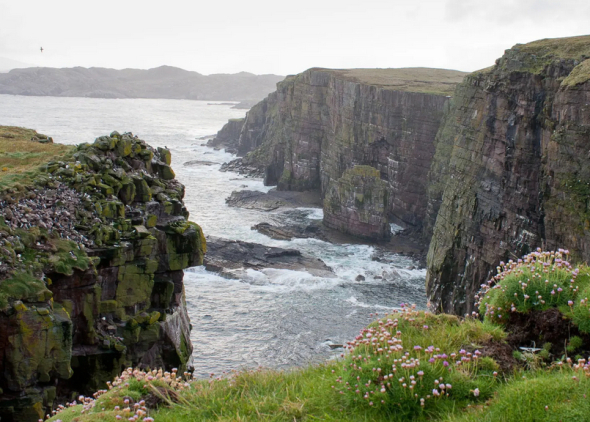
column 87, row 278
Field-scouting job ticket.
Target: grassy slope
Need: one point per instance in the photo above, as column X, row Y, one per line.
column 412, row 79
column 20, row 157
column 303, row 394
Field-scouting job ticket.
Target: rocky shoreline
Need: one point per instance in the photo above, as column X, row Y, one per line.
column 404, row 242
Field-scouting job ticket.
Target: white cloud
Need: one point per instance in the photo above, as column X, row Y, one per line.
column 266, row 36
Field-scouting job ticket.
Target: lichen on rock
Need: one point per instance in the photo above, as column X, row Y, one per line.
column 91, row 272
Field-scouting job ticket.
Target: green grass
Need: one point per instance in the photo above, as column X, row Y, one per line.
column 534, row 57
column 310, row 394
column 316, row 393
column 565, row 48
column 302, row 394
column 22, row 286
column 411, row 79
column 525, row 399
column 540, row 281
column 579, row 75
column 20, row 157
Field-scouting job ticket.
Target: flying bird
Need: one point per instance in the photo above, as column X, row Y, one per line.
column 41, row 49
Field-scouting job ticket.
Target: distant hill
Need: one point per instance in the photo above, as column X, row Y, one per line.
column 161, row 82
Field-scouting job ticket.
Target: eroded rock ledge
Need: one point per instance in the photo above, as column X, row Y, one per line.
column 92, row 253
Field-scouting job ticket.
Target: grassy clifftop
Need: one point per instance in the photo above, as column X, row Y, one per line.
column 535, row 56
column 411, row 79
column 22, row 151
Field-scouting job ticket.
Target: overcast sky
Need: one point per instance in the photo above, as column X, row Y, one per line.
column 281, row 37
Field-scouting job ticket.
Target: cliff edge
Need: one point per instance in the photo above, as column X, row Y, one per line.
column 512, row 168
column 92, row 248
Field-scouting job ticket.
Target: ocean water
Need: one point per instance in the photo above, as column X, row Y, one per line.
column 271, row 318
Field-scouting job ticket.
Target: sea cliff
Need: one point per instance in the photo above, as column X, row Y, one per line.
column 486, row 172
column 92, row 245
column 323, row 122
column 512, row 168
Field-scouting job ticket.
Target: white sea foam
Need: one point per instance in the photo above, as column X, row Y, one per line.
column 353, row 300
column 313, row 213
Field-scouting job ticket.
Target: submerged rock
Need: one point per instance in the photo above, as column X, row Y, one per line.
column 224, row 255
column 312, row 230
column 272, row 199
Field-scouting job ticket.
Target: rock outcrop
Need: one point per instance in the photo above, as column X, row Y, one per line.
column 357, row 202
column 512, row 168
column 228, row 137
column 92, row 252
column 322, row 122
column 231, row 258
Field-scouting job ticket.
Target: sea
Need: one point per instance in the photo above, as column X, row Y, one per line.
column 269, row 318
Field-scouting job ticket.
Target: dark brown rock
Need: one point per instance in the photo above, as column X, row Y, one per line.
column 224, row 255
column 322, row 122
column 229, row 135
column 512, row 170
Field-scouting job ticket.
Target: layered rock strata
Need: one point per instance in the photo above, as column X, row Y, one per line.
column 92, row 254
column 322, row 122
column 512, row 168
column 356, row 204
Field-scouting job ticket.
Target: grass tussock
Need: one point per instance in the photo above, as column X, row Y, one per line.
column 537, row 396
column 538, row 282
column 20, row 157
column 579, row 75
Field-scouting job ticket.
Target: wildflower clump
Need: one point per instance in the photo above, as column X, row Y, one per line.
column 537, row 282
column 135, row 390
column 412, row 361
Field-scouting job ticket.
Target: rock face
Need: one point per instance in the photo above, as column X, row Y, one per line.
column 512, row 168
column 228, row 137
column 357, row 202
column 91, row 277
column 322, row 122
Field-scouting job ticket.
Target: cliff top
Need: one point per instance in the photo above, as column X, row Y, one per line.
column 411, row 79
column 24, row 150
column 535, row 56
column 565, row 48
